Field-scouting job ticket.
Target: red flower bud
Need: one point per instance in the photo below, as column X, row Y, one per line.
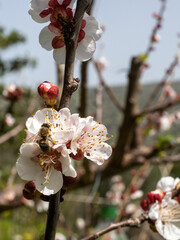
column 49, row 92
column 29, row 190
column 79, row 156
column 154, row 196
column 145, row 204
column 68, row 181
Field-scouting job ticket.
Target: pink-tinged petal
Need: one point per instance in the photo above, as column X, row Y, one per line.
column 45, row 38
column 36, row 17
column 59, row 55
column 92, row 27
column 39, row 5
column 57, row 42
column 53, row 186
column 85, row 49
column 101, row 153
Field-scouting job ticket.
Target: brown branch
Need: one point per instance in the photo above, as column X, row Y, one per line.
column 70, row 83
column 159, row 108
column 108, row 89
column 83, row 90
column 136, row 222
column 131, row 108
column 167, row 159
column 84, row 79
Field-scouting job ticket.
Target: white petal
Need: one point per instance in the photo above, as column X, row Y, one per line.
column 65, row 112
column 86, row 48
column 39, row 5
column 29, row 150
column 154, row 211
column 70, row 172
column 102, row 152
column 45, row 38
column 53, row 186
column 92, row 27
column 33, row 125
column 26, row 168
column 63, row 136
column 168, row 230
column 166, row 184
column 46, row 115
column 35, row 16
column 59, row 55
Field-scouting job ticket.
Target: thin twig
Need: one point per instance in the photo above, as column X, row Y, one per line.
column 136, row 222
column 108, row 89
column 159, row 108
column 167, row 75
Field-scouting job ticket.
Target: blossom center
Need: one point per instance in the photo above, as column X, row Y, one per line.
column 170, row 213
column 47, row 161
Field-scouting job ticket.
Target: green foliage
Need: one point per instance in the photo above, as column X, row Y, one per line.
column 143, row 57
column 15, row 65
column 6, row 40
column 163, row 141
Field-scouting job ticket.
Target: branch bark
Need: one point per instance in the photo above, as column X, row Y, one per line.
column 128, row 223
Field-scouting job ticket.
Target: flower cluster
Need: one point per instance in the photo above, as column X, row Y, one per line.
column 57, row 33
column 54, row 140
column 164, row 209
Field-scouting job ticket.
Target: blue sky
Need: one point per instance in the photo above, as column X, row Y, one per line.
column 128, row 26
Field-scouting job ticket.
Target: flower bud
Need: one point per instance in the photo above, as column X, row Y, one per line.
column 29, row 190
column 145, row 204
column 79, row 156
column 49, row 92
column 155, row 196
column 68, row 181
column 156, row 38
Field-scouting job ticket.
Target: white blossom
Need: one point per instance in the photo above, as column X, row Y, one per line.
column 167, row 217
column 167, row 183
column 53, row 36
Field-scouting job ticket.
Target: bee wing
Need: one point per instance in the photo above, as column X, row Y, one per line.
column 32, row 139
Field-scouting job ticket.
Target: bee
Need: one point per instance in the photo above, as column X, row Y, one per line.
column 45, row 134
column 43, row 138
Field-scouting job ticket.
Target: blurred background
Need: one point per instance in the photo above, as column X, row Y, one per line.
column 24, row 65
